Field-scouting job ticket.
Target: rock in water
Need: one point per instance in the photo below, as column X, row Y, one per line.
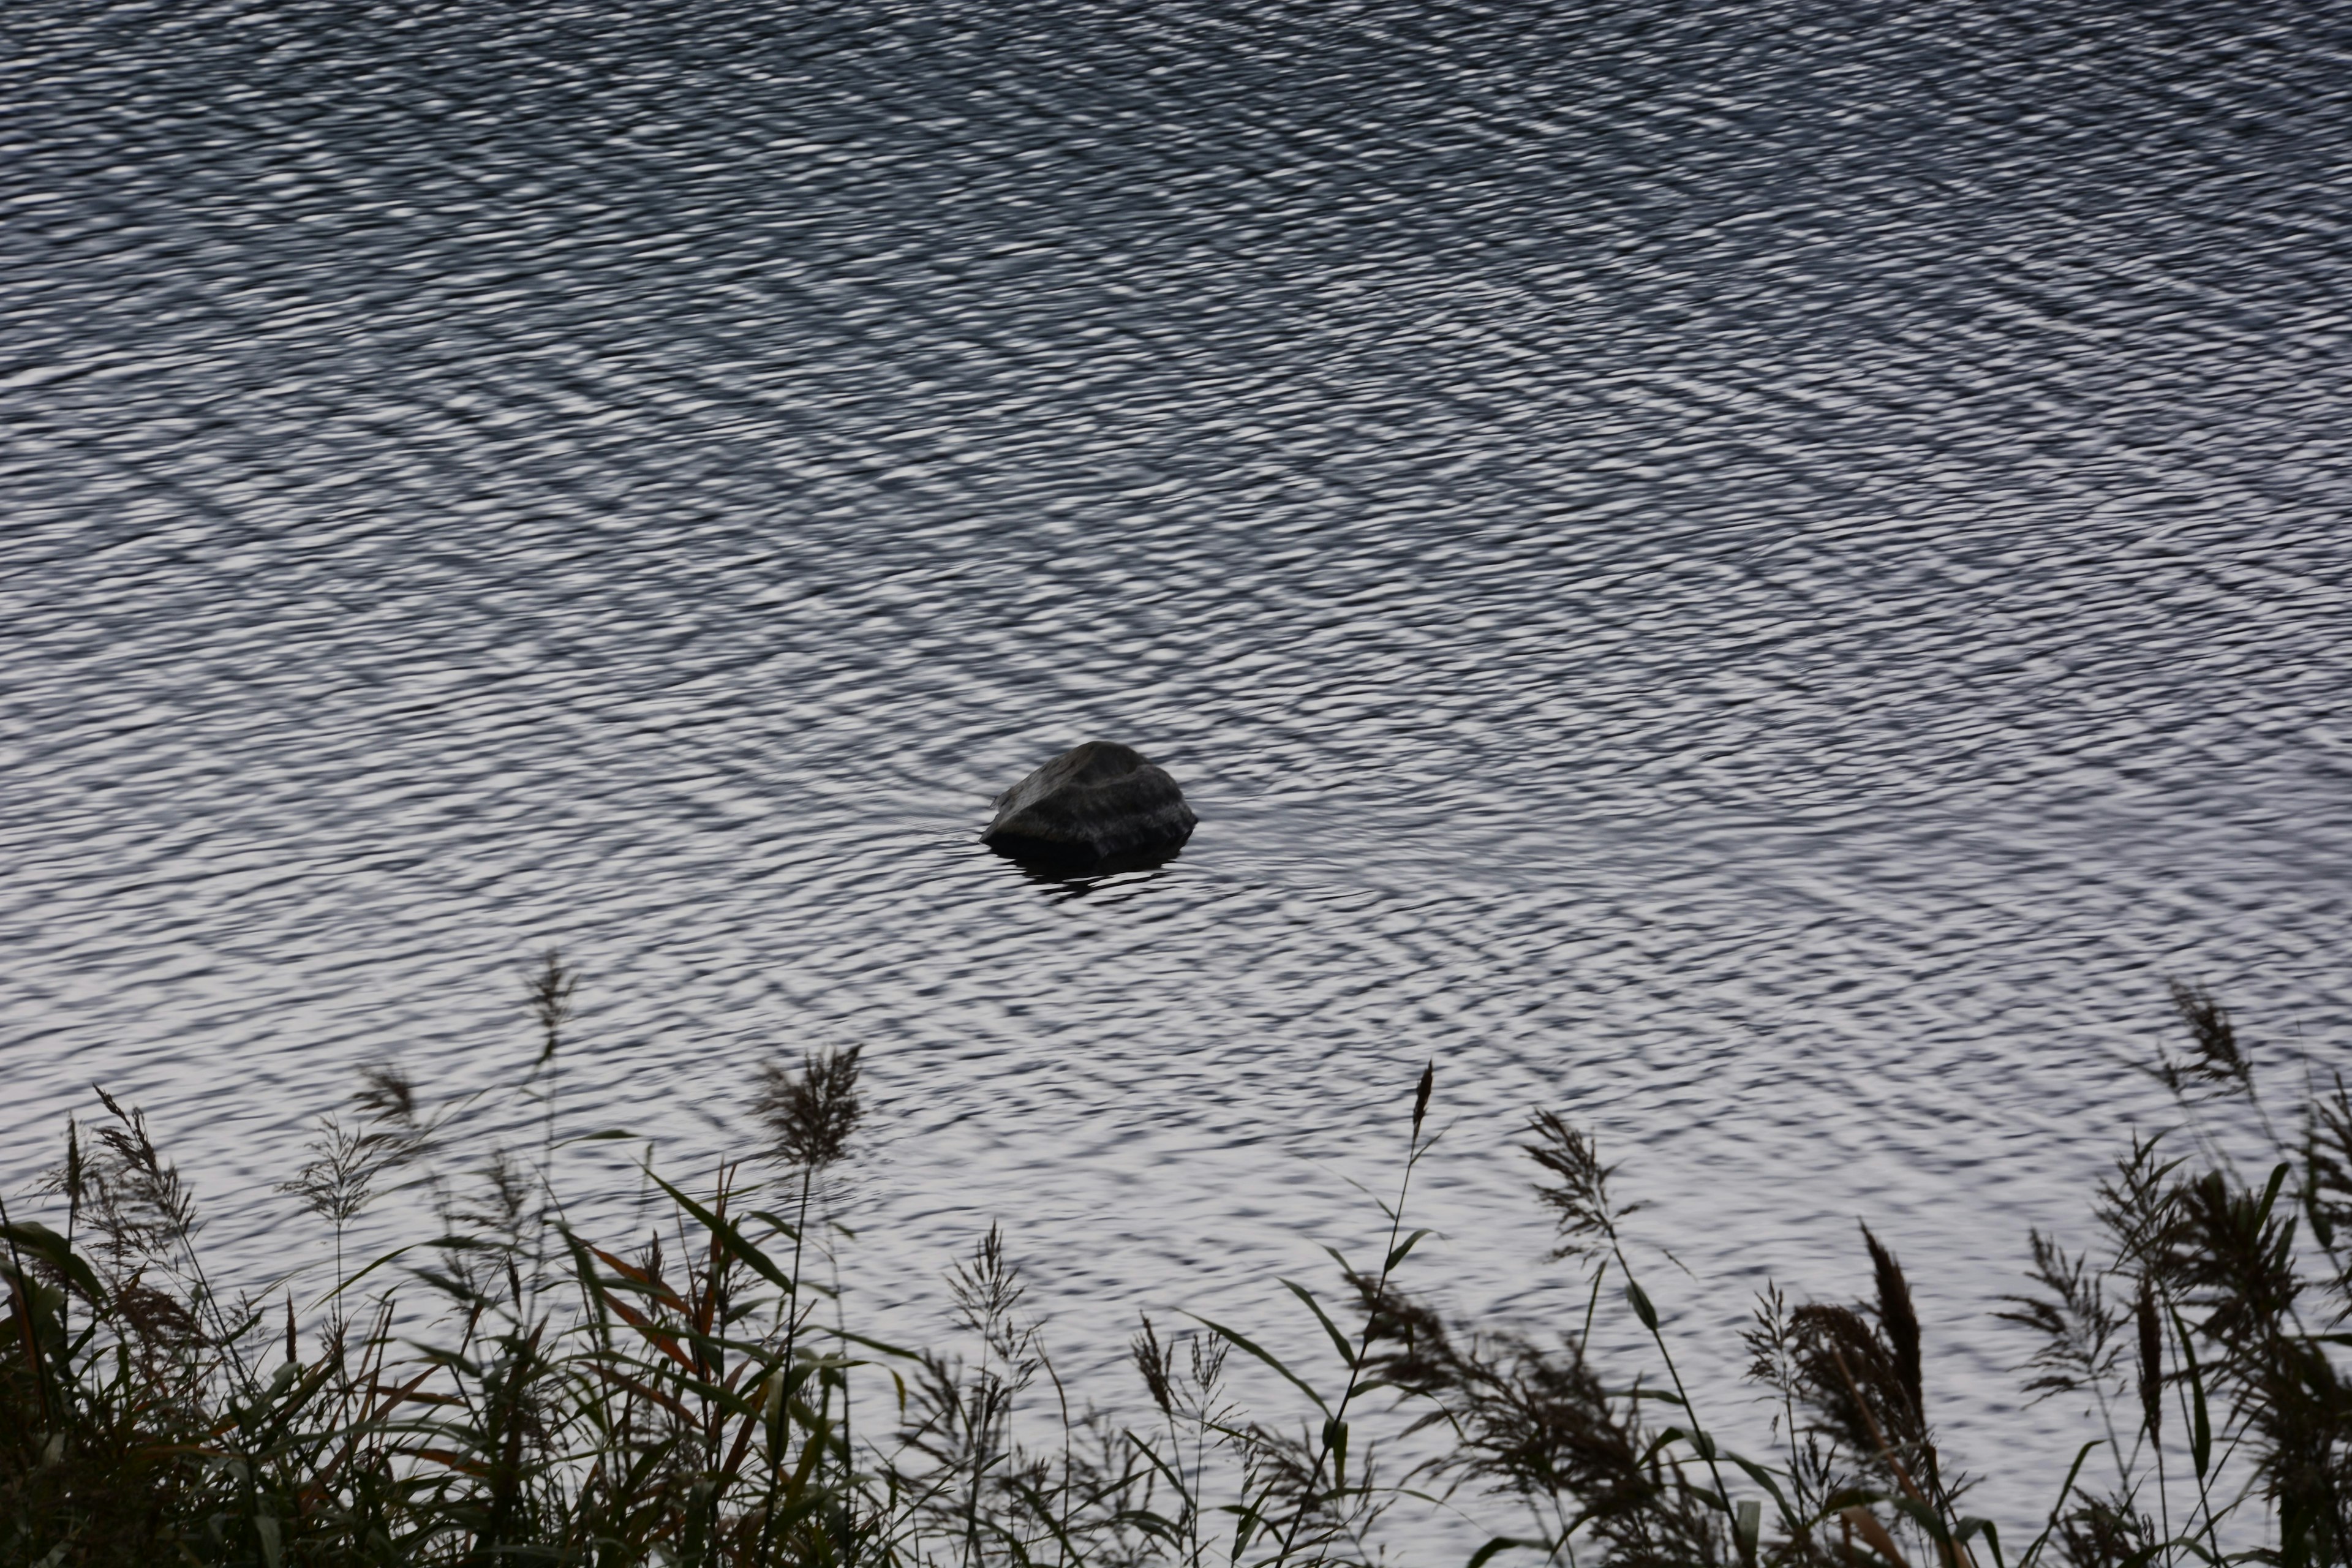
column 1095, row 803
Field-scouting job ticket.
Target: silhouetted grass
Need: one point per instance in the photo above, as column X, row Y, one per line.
column 510, row 1390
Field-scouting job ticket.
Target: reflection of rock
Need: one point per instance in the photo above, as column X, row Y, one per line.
column 1095, row 802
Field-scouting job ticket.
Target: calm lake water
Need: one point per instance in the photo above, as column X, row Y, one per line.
column 1758, row 572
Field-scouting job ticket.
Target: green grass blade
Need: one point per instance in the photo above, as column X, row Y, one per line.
column 1639, row 1300
column 726, row 1230
column 2200, row 1431
column 1339, row 1340
column 1502, row 1543
column 2059, row 1506
column 1403, row 1249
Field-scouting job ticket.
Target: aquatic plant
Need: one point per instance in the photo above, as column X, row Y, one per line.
column 510, row 1389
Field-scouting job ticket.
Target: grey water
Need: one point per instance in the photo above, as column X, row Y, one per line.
column 1761, row 574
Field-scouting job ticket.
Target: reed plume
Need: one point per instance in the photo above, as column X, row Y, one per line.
column 1582, row 1212
column 1899, row 1322
column 811, row 1113
column 2151, row 1361
column 2216, row 1058
column 1157, row 1363
column 549, row 994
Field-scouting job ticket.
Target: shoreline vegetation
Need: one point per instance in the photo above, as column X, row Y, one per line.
column 509, row 1390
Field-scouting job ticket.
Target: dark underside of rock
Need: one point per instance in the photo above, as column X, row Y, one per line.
column 1095, row 805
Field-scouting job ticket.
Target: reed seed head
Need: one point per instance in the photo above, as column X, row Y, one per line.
column 138, row 1200
column 74, row 1174
column 2217, row 1056
column 387, row 1094
column 2151, row 1360
column 1584, row 1217
column 550, row 995
column 1898, row 1320
column 1420, row 1097
column 1158, row 1363
column 811, row 1113
column 338, row 1180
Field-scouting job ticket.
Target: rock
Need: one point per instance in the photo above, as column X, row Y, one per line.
column 1095, row 803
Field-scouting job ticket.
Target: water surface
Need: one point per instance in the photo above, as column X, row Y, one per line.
column 1760, row 573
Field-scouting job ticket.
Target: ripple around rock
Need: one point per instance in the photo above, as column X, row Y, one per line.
column 1099, row 804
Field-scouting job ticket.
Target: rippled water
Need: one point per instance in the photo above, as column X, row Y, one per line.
column 1761, row 572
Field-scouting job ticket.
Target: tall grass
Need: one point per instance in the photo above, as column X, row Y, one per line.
column 509, row 1389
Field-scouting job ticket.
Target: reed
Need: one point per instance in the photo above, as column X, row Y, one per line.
column 508, row 1389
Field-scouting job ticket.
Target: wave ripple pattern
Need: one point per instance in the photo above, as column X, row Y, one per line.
column 1758, row 572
